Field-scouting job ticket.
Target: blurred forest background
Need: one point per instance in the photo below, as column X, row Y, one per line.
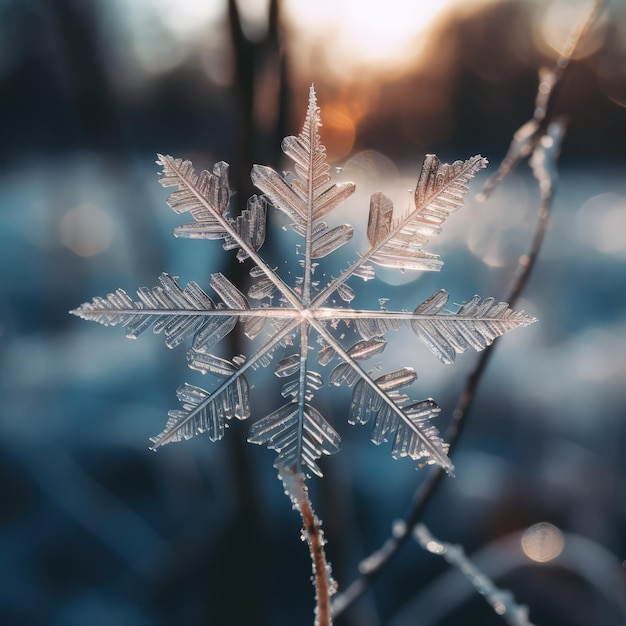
column 96, row 530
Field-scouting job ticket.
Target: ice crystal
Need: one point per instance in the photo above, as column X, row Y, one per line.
column 296, row 321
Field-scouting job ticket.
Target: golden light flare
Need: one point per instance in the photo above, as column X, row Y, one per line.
column 340, row 131
column 347, row 35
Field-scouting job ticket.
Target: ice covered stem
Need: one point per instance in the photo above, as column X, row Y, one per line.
column 325, row 586
column 501, row 600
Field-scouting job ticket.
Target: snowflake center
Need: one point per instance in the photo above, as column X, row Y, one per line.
column 307, row 314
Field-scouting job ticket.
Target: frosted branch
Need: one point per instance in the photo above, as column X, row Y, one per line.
column 312, row 533
column 528, row 135
column 501, row 600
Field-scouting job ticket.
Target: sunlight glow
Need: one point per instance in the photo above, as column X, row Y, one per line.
column 340, row 38
column 365, row 33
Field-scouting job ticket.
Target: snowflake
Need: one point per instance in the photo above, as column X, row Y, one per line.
column 302, row 327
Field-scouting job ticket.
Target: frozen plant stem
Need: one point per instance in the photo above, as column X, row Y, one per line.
column 325, row 586
column 540, row 138
column 544, row 165
column 529, row 134
column 501, row 600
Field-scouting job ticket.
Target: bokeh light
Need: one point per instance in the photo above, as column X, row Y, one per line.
column 86, row 230
column 542, row 542
column 560, row 19
column 601, row 223
column 345, row 37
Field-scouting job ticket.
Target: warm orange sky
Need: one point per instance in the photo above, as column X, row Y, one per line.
column 350, row 32
column 345, row 37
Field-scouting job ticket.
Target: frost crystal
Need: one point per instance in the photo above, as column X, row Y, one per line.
column 304, row 321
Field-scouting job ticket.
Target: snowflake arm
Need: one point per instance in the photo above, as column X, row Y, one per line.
column 206, row 412
column 297, row 430
column 206, row 198
column 399, row 243
column 180, row 313
column 177, row 313
column 309, row 196
column 476, row 324
column 371, row 399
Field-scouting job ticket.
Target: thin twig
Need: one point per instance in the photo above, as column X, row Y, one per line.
column 501, row 600
column 498, row 559
column 375, row 563
column 543, row 162
column 529, row 134
column 325, row 586
column 525, row 142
